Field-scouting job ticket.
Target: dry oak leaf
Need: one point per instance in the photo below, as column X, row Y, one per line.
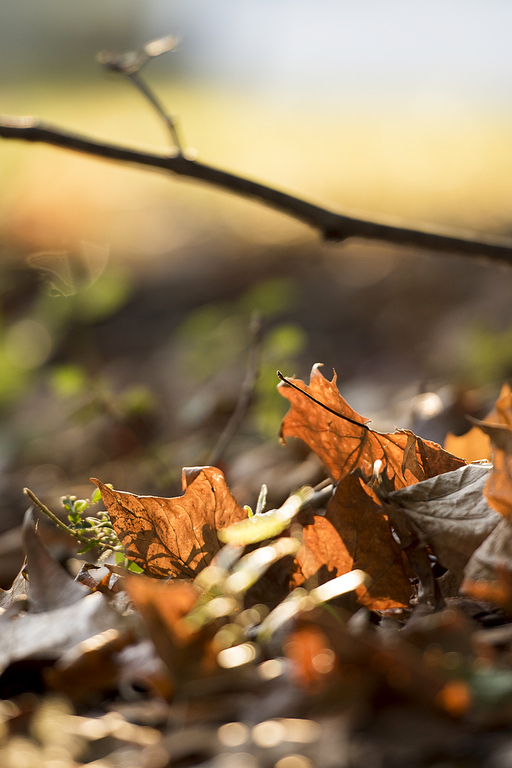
column 502, row 411
column 345, row 442
column 354, row 534
column 475, row 444
column 497, row 426
column 177, row 536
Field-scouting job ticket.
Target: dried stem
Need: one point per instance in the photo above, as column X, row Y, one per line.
column 244, row 397
column 170, row 122
column 53, row 517
column 332, row 225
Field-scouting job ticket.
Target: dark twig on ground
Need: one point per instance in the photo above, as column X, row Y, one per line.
column 246, row 390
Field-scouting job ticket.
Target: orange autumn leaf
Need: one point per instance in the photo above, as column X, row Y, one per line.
column 498, row 487
column 312, row 657
column 164, row 606
column 472, row 446
column 353, row 534
column 177, row 536
column 456, row 697
column 344, row 442
column 498, row 591
column 502, row 408
column 475, row 444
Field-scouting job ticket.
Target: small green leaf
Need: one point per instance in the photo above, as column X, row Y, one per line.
column 68, row 502
column 96, row 497
column 267, row 525
column 87, row 547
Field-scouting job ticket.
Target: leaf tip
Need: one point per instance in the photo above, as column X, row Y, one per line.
column 101, row 486
column 283, row 384
column 189, row 474
column 316, row 373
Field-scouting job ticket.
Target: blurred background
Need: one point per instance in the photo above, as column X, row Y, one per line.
column 126, row 295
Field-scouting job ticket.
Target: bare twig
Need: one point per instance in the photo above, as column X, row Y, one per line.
column 332, row 225
column 244, row 397
column 170, row 122
column 130, row 65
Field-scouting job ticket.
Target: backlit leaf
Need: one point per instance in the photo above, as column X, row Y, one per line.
column 475, row 444
column 354, row 534
column 177, row 536
column 345, row 442
column 498, row 488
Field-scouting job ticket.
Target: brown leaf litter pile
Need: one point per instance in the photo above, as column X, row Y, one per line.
column 366, row 622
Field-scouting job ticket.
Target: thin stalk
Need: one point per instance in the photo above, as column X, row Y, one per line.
column 246, row 390
column 54, row 518
column 146, row 91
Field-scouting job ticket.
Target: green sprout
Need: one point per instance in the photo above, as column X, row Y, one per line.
column 91, row 531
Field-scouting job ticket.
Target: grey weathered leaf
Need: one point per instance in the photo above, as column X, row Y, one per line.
column 42, row 580
column 18, row 591
column 47, row 635
column 449, row 512
column 50, row 585
column 59, row 612
column 496, row 549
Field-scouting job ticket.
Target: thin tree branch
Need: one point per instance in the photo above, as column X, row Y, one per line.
column 130, row 65
column 332, row 225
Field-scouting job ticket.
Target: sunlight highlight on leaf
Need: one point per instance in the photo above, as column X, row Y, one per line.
column 267, row 525
column 176, row 536
column 340, row 585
